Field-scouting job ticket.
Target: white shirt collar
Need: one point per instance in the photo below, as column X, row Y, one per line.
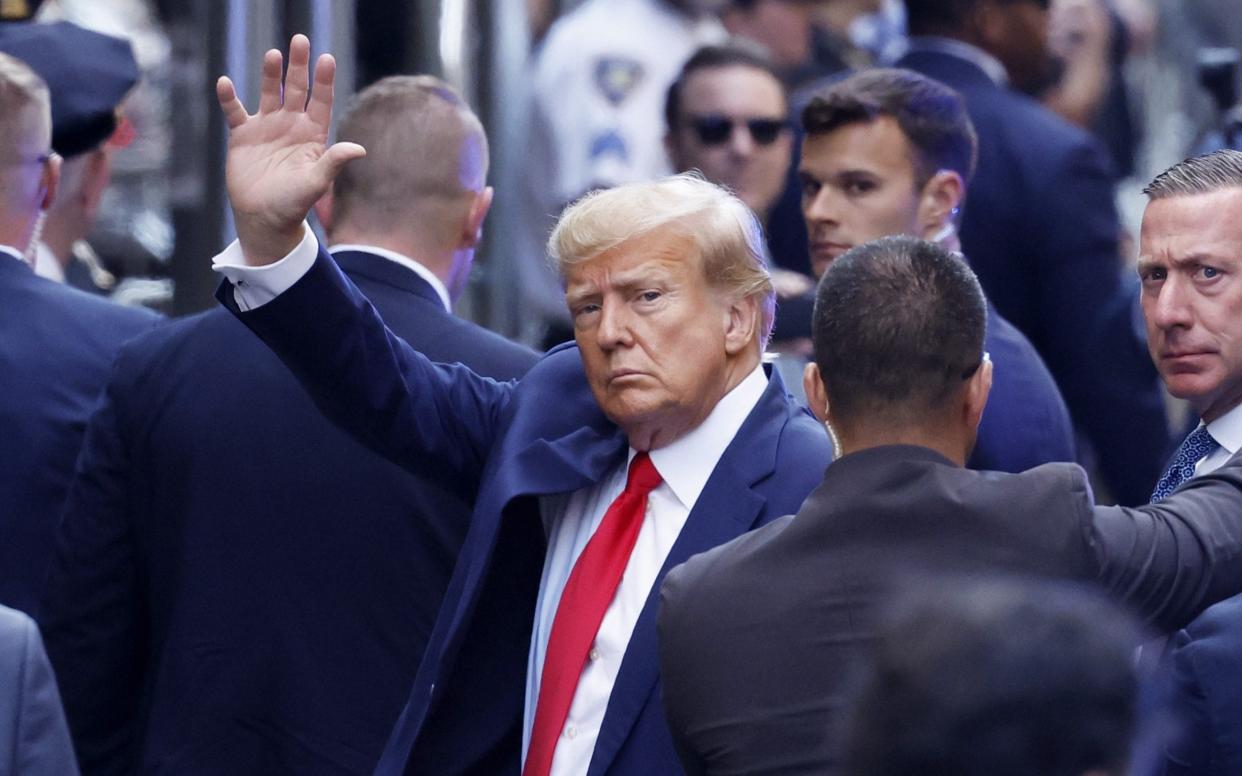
column 404, row 261
column 687, row 463
column 47, row 265
column 11, row 251
column 1227, row 429
column 989, row 64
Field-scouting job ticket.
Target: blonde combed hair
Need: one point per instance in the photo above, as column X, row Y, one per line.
column 725, row 232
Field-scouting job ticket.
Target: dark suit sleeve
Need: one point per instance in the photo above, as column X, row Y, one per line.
column 91, row 614
column 1171, row 560
column 429, row 418
column 675, row 645
column 1190, row 750
column 1092, row 346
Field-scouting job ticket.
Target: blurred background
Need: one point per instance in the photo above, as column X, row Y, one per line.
column 1167, row 88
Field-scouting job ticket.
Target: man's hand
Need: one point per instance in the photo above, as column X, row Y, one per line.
column 279, row 162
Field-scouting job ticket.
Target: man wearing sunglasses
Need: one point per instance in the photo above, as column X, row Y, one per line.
column 727, row 117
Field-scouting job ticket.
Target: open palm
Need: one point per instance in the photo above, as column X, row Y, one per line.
column 279, row 162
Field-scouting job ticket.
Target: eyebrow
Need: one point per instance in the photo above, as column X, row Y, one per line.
column 645, row 274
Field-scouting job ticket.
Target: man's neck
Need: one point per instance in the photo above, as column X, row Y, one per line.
column 58, row 244
column 940, row 440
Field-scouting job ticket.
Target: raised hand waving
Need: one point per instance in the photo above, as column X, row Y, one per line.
column 279, row 160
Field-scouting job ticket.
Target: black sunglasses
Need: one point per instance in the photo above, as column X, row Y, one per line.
column 714, row 129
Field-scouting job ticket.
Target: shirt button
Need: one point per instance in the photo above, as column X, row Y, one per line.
column 593, row 654
column 571, row 732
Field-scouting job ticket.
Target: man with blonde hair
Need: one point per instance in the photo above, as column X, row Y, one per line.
column 56, row 346
column 657, row 434
column 367, row 547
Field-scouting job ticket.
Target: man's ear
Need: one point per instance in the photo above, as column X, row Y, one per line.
column 816, row 393
column 938, row 202
column 977, row 390
column 51, row 181
column 325, row 208
column 472, row 227
column 742, row 325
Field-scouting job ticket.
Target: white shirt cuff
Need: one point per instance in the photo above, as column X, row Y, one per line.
column 256, row 286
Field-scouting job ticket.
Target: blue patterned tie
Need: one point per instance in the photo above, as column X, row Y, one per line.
column 1198, row 445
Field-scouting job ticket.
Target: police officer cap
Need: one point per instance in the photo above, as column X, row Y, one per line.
column 87, row 74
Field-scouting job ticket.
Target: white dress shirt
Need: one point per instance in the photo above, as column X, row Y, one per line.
column 1227, row 430
column 9, row 250
column 47, row 265
column 570, row 521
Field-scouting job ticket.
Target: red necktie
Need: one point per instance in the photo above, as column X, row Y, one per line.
column 590, row 589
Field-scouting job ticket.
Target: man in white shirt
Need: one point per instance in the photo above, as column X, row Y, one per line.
column 656, row 435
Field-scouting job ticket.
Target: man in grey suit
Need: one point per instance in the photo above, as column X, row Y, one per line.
column 34, row 740
column 757, row 637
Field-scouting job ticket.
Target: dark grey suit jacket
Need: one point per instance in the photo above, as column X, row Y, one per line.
column 758, row 636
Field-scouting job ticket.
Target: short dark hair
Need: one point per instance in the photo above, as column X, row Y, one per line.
column 898, row 325
column 931, row 115
column 1198, row 175
column 929, row 17
column 997, row 676
column 736, row 52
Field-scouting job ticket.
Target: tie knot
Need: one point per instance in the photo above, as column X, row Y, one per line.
column 1200, row 443
column 643, row 477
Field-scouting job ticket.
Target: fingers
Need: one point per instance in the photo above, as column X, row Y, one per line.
column 320, row 106
column 297, row 79
column 234, row 112
column 269, row 85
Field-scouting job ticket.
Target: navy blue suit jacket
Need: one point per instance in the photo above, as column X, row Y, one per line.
column 240, row 587
column 1025, row 423
column 1041, row 231
column 56, row 346
column 514, row 443
column 1204, row 665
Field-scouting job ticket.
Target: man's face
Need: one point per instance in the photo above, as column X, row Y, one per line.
column 857, row 186
column 1190, row 263
column 733, row 127
column 652, row 335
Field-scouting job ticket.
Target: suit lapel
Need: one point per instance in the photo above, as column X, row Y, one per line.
column 544, row 467
column 728, row 507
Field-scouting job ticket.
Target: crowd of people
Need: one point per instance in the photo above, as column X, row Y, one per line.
column 848, row 450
